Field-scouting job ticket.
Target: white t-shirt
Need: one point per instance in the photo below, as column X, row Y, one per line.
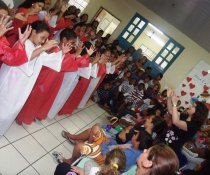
column 9, row 3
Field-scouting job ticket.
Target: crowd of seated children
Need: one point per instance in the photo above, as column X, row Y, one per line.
column 132, row 141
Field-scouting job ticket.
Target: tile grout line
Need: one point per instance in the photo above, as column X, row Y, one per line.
column 61, row 143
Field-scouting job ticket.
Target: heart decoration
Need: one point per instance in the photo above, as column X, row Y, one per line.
column 191, row 86
column 204, row 73
column 192, row 94
column 183, row 85
column 189, row 79
column 205, row 88
column 186, row 102
column 183, row 93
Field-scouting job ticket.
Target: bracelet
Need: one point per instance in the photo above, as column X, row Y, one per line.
column 174, row 105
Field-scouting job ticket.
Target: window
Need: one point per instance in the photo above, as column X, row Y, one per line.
column 160, row 49
column 81, row 4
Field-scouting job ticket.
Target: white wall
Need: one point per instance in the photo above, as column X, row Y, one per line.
column 125, row 10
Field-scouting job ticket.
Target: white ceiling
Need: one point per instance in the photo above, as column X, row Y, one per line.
column 192, row 17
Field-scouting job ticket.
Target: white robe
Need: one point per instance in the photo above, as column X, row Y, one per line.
column 93, row 83
column 16, row 83
column 69, row 83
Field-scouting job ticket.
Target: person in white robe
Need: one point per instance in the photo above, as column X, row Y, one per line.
column 68, row 85
column 16, row 83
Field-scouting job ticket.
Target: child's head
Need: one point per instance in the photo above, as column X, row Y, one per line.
column 40, row 32
column 148, row 124
column 148, row 70
column 105, row 55
column 106, row 86
column 95, row 24
column 156, row 88
column 133, row 81
column 143, row 60
column 35, row 5
column 84, row 17
column 68, row 36
column 141, row 87
column 47, row 4
column 159, row 159
column 139, row 73
column 3, row 9
column 77, row 11
column 147, row 79
column 70, row 11
column 99, row 33
column 114, row 163
column 164, row 93
column 127, row 75
column 159, row 125
column 159, row 76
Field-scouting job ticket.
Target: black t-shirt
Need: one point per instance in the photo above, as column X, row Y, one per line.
column 176, row 137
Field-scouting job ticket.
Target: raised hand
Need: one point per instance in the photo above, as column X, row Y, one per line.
column 49, row 44
column 169, row 92
column 174, row 98
column 66, row 48
column 24, row 36
column 48, row 16
column 5, row 24
column 98, row 56
column 64, row 7
column 91, row 50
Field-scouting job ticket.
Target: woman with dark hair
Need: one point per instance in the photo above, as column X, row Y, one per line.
column 28, row 13
column 158, row 160
column 183, row 130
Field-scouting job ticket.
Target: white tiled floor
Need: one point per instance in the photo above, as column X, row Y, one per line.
column 27, row 150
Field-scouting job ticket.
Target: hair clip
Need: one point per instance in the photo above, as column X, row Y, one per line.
column 115, row 165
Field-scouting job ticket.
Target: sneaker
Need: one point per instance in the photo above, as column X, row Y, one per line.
column 58, row 156
column 189, row 152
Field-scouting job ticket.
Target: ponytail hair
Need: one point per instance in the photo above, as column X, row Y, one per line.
column 114, row 164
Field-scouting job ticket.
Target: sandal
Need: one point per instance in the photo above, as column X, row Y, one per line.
column 63, row 133
column 58, row 156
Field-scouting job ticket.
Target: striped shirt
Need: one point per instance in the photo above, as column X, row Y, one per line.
column 93, row 150
column 125, row 87
column 135, row 97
